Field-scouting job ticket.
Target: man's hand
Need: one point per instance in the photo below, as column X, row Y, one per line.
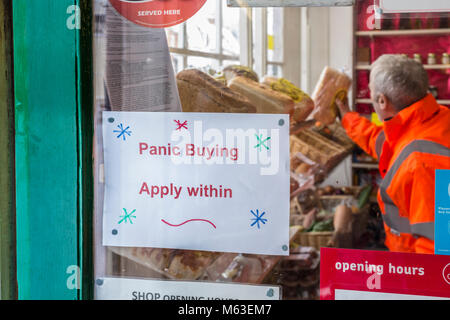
column 343, row 106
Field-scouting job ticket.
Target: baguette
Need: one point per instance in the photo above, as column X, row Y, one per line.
column 200, row 92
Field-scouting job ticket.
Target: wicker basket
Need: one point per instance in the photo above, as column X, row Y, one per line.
column 340, row 136
column 315, row 239
column 313, row 153
column 317, row 148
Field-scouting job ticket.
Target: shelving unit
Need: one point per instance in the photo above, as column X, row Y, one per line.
column 368, row 101
column 364, row 165
column 426, row 66
column 369, row 44
column 390, row 33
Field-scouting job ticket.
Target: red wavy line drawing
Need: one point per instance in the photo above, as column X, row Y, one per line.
column 179, row 225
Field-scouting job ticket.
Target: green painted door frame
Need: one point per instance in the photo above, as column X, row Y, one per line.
column 53, row 148
column 7, row 201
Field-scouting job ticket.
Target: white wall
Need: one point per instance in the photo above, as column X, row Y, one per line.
column 327, row 40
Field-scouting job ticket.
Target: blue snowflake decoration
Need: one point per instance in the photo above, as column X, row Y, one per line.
column 123, row 132
column 258, row 218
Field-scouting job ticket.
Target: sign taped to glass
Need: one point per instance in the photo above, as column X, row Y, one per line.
column 157, row 13
column 197, row 181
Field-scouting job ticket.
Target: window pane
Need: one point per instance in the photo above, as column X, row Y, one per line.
column 175, row 36
column 258, row 34
column 207, row 65
column 201, row 29
column 274, row 70
column 274, row 34
column 226, row 63
column 177, row 61
column 230, row 30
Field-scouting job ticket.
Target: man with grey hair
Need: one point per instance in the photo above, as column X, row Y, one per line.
column 413, row 141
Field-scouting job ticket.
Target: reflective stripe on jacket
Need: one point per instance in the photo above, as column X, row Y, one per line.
column 409, row 148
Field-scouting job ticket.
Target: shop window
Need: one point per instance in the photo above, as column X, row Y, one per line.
column 203, row 225
column 208, row 40
column 267, row 38
column 215, row 37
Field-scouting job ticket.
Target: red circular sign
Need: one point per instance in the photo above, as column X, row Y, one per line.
column 157, row 13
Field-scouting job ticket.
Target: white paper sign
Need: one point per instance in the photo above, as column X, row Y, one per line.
column 139, row 73
column 140, row 289
column 398, row 6
column 197, row 181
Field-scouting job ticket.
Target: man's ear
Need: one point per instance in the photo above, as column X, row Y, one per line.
column 383, row 102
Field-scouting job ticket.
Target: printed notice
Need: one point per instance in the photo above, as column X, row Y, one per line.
column 197, row 181
column 138, row 289
column 139, row 71
column 442, row 212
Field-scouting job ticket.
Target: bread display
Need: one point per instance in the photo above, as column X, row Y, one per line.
column 332, row 85
column 200, row 92
column 172, row 263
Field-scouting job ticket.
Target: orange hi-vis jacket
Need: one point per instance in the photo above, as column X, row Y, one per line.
column 409, row 148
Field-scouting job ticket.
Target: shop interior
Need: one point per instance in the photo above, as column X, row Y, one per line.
column 333, row 190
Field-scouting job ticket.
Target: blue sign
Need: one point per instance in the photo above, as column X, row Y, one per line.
column 442, row 212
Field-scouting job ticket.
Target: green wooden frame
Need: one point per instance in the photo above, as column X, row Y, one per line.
column 53, row 122
column 7, row 201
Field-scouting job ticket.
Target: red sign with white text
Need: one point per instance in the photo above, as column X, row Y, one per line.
column 157, row 13
column 374, row 275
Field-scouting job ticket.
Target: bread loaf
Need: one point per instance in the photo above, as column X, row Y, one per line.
column 233, row 71
column 332, row 85
column 262, row 96
column 304, row 105
column 200, row 92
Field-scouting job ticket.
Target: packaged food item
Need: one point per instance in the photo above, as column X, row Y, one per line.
column 243, row 268
column 304, row 104
column 332, row 85
column 418, row 57
column 185, row 264
column 172, row 263
column 445, row 58
column 431, row 58
column 233, row 71
column 199, row 92
column 304, row 171
column 303, row 168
